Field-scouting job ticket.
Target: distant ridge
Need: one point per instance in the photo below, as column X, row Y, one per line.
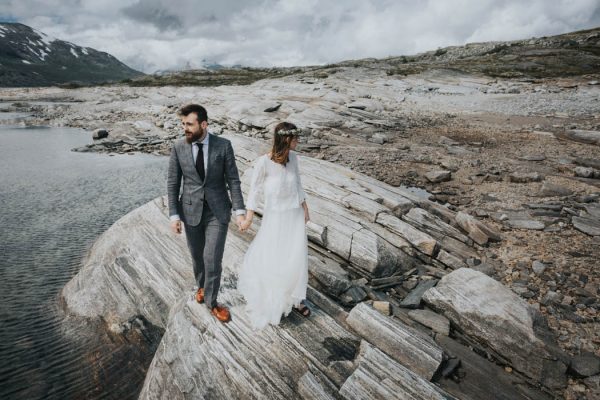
column 31, row 58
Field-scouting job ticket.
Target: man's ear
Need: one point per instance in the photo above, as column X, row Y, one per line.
column 204, row 124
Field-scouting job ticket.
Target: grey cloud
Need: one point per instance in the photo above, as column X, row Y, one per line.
column 152, row 12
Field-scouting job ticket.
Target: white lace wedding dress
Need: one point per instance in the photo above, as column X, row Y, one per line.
column 274, row 273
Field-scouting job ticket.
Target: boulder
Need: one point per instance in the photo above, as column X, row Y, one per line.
column 99, row 134
column 484, row 310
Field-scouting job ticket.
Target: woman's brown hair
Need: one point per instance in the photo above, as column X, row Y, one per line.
column 280, row 153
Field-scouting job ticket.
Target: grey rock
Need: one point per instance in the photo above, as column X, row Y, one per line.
column 533, row 157
column 587, row 172
column 438, row 323
column 413, row 300
column 99, row 134
column 485, row 310
column 550, row 189
column 538, row 267
column 522, row 177
column 585, row 365
column 332, row 278
column 404, row 344
column 590, row 226
column 353, row 295
column 525, row 224
column 438, row 176
column 273, row 108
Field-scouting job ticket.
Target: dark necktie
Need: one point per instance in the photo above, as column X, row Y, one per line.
column 200, row 161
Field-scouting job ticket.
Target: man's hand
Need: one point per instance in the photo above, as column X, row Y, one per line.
column 239, row 220
column 176, row 226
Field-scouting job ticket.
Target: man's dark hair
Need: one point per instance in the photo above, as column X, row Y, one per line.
column 194, row 108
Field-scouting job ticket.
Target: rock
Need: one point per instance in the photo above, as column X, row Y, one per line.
column 485, row 268
column 484, row 310
column 450, row 367
column 522, row 177
column 585, row 365
column 383, row 307
column 533, row 157
column 587, row 172
column 379, row 377
column 550, row 189
column 413, row 300
column 399, row 341
column 590, row 226
column 99, row 134
column 332, row 278
column 538, row 267
column 478, row 231
column 353, row 295
column 438, row 176
column 273, row 108
column 438, row 323
column 379, row 138
column 525, row 224
column 582, row 136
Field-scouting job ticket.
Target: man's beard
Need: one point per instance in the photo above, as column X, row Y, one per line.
column 195, row 136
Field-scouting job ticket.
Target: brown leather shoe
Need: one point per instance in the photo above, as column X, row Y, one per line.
column 200, row 295
column 221, row 313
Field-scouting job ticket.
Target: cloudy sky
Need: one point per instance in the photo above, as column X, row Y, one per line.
column 152, row 35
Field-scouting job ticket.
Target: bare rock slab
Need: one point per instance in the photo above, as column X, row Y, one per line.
column 485, row 310
column 379, row 377
column 438, row 323
column 438, row 176
column 401, row 342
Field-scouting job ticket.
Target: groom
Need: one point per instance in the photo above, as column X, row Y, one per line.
column 207, row 165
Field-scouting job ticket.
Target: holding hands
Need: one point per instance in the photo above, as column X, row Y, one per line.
column 244, row 223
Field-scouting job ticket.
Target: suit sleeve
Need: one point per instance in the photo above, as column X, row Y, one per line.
column 233, row 178
column 173, row 183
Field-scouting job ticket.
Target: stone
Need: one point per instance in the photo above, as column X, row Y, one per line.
column 438, row 176
column 533, row 157
column 549, row 189
column 272, row 108
column 438, row 323
column 379, row 377
column 484, row 310
column 586, row 172
column 353, row 295
column 590, row 226
column 585, row 365
column 383, row 307
column 478, row 231
column 582, row 136
column 333, row 279
column 538, row 267
column 379, row 138
column 413, row 300
column 99, row 134
column 523, row 177
column 526, row 224
column 402, row 343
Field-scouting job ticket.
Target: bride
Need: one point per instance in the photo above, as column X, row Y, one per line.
column 274, row 274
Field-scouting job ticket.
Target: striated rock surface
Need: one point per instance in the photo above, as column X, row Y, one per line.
column 366, row 235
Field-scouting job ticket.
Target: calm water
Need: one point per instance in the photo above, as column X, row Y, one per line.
column 53, row 204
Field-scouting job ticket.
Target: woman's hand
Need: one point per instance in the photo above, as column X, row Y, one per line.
column 247, row 221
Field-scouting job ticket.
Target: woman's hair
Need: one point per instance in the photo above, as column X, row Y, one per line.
column 280, row 153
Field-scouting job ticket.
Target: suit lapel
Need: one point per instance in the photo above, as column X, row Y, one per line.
column 212, row 150
column 189, row 159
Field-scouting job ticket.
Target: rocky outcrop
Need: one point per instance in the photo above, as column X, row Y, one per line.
column 365, row 236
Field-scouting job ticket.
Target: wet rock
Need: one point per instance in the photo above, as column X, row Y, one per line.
column 438, row 176
column 523, row 177
column 99, row 134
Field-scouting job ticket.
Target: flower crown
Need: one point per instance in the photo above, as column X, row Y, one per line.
column 293, row 132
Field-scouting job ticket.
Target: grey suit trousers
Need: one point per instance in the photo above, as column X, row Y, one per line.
column 206, row 242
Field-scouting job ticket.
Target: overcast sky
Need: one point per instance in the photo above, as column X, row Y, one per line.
column 151, row 35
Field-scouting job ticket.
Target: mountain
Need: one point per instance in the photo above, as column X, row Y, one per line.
column 31, row 58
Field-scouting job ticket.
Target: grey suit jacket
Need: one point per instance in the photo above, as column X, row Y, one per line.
column 221, row 175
